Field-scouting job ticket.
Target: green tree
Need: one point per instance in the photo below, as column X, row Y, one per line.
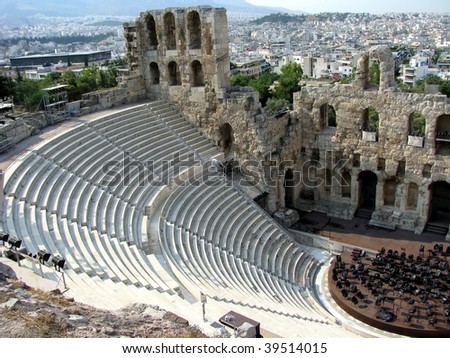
column 374, row 74
column 373, row 120
column 89, row 79
column 346, row 79
column 6, row 87
column 436, row 56
column 28, row 93
column 444, row 88
column 108, row 77
column 275, row 105
column 288, row 82
column 432, row 80
column 418, row 124
column 51, row 79
column 70, row 79
column 419, row 87
column 241, row 80
column 403, row 87
column 262, row 84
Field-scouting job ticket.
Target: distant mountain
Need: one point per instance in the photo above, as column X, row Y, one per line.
column 23, row 8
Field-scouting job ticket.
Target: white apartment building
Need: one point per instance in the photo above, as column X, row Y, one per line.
column 416, row 70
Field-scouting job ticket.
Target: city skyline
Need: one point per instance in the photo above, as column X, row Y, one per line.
column 376, row 7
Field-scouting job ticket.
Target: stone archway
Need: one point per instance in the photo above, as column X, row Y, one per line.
column 174, row 74
column 197, row 78
column 439, row 212
column 169, row 31
column 154, row 73
column 327, row 116
column 151, row 29
column 226, row 138
column 195, row 30
column 442, row 135
column 367, row 190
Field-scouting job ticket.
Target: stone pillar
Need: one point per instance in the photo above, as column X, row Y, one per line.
column 402, row 196
column 355, row 190
column 379, row 198
column 423, row 204
column 362, row 69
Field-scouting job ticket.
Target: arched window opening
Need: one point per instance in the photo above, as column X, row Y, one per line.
column 226, row 137
column 169, row 31
column 174, row 74
column 417, row 123
column 151, row 29
column 439, row 218
column 443, row 134
column 371, row 120
column 367, row 190
column 195, row 30
column 327, row 116
column 197, row 74
column 154, row 73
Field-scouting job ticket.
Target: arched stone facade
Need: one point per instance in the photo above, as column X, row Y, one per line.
column 325, row 142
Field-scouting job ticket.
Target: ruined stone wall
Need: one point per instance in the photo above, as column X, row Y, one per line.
column 182, row 55
column 320, row 155
column 23, row 126
column 129, row 90
column 391, row 154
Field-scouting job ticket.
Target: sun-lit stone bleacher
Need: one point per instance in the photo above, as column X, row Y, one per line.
column 61, row 197
column 88, row 195
column 223, row 245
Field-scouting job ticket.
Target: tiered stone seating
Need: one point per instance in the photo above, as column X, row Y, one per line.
column 60, row 196
column 216, row 238
column 68, row 196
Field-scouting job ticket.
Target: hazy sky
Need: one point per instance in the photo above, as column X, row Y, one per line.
column 372, row 6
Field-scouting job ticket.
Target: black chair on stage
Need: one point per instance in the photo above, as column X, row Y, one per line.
column 447, row 251
column 422, row 249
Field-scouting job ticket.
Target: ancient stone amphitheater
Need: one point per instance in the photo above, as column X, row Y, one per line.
column 136, row 241
column 134, row 200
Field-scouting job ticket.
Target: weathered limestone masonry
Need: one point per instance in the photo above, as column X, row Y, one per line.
column 400, row 179
column 183, row 56
column 129, row 90
column 345, row 149
column 14, row 130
